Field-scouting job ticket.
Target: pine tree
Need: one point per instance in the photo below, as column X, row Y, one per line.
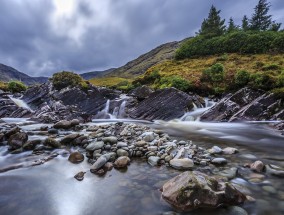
column 260, row 20
column 245, row 23
column 232, row 27
column 213, row 25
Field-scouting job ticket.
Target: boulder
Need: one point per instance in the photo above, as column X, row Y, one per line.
column 141, row 92
column 51, row 143
column 68, row 140
column 17, row 140
column 192, row 190
column 63, row 124
column 121, row 162
column 182, row 164
column 165, row 104
column 76, row 157
column 94, row 146
column 257, row 166
column 100, row 162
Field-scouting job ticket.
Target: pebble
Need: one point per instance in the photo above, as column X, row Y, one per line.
column 122, row 152
column 153, row 160
column 229, row 151
column 219, row 161
column 257, row 166
column 76, row 157
column 182, row 164
column 80, row 176
column 94, row 146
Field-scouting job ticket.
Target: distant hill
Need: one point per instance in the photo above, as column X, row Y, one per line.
column 8, row 73
column 142, row 63
column 96, row 74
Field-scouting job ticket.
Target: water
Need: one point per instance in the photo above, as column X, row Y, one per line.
column 117, row 113
column 51, row 189
column 20, row 103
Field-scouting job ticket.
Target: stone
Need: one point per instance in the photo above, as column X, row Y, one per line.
column 274, row 170
column 63, row 124
column 80, row 176
column 51, row 143
column 269, row 189
column 148, row 136
column 192, row 190
column 219, row 161
column 17, row 140
column 68, row 140
column 76, row 157
column 182, row 164
column 229, row 151
column 215, row 150
column 153, row 160
column 140, row 143
column 12, row 131
column 257, row 166
column 108, row 166
column 100, row 162
column 75, row 122
column 53, row 131
column 153, row 148
column 141, row 92
column 121, row 162
column 235, row 210
column 121, row 144
column 112, row 140
column 31, row 144
column 122, row 152
column 94, row 146
column 229, row 173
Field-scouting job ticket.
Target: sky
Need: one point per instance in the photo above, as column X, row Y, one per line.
column 41, row 37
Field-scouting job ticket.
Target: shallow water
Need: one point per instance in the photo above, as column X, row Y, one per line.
column 51, row 189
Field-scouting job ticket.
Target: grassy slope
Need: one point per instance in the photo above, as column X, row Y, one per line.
column 191, row 69
column 108, row 81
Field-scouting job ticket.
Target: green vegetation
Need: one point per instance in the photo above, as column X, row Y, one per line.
column 3, row 86
column 242, row 78
column 64, row 79
column 16, row 86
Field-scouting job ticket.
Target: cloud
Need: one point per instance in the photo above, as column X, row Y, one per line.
column 40, row 37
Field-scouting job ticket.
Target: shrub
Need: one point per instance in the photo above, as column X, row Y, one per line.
column 16, row 86
column 242, row 78
column 3, row 86
column 174, row 81
column 214, row 74
column 278, row 43
column 66, row 79
column 262, row 81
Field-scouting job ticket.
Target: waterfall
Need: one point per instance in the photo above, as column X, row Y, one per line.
column 121, row 112
column 106, row 109
column 20, row 103
column 195, row 114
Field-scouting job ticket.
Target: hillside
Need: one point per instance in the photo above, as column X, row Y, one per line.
column 8, row 73
column 96, row 74
column 139, row 65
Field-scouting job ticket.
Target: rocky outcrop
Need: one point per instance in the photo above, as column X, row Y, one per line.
column 141, row 93
column 246, row 105
column 165, row 104
column 192, row 190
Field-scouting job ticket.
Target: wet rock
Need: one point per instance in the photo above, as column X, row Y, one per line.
column 63, row 124
column 229, row 151
column 140, row 143
column 229, row 173
column 53, row 131
column 215, row 150
column 68, row 140
column 108, row 166
column 94, row 146
column 100, row 162
column 257, row 166
column 121, row 144
column 219, row 161
column 111, row 140
column 80, row 176
column 31, row 144
column 165, row 104
column 17, row 140
column 235, row 210
column 51, row 143
column 191, row 190
column 12, row 131
column 154, row 160
column 148, row 136
column 74, row 122
column 121, row 162
column 274, row 170
column 76, row 157
column 182, row 164
column 122, row 152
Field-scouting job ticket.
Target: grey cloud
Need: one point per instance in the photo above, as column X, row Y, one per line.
column 102, row 34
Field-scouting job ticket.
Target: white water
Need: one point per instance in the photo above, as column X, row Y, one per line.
column 117, row 113
column 20, row 103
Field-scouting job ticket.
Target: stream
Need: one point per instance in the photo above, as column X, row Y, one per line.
column 51, row 188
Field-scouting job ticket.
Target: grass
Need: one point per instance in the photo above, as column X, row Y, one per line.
column 191, row 69
column 108, row 81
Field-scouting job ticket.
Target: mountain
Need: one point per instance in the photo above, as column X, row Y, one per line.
column 142, row 63
column 8, row 73
column 96, row 74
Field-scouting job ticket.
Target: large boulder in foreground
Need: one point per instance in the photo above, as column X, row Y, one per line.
column 165, row 104
column 246, row 105
column 192, row 190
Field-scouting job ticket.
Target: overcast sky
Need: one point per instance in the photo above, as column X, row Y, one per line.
column 40, row 37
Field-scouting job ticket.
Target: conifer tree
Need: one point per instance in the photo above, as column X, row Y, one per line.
column 260, row 20
column 232, row 27
column 213, row 25
column 245, row 23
